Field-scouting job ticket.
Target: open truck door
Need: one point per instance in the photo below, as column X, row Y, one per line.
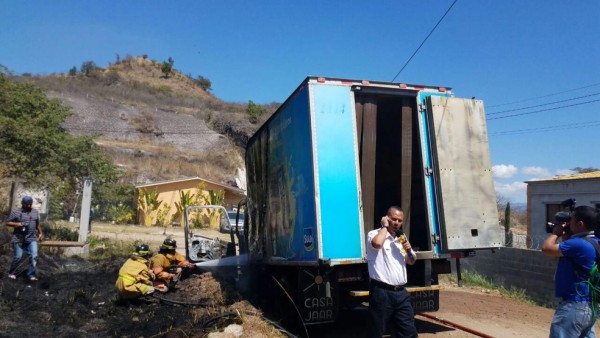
column 465, row 195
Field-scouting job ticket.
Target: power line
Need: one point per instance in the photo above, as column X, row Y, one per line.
column 543, row 96
column 422, row 43
column 549, row 128
column 544, row 104
column 542, row 110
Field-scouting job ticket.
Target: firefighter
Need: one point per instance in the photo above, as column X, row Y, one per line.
column 167, row 266
column 135, row 276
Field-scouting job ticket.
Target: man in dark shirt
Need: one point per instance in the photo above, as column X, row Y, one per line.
column 27, row 231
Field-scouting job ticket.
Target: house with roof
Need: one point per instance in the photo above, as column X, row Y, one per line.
column 544, row 198
column 169, row 194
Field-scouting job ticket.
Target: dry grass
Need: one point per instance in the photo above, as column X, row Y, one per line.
column 164, row 162
column 171, row 127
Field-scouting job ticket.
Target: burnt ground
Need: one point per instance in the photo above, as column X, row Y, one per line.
column 77, row 298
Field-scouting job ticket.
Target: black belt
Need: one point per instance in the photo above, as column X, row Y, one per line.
column 387, row 286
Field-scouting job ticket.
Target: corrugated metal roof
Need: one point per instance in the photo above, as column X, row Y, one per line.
column 227, row 187
column 593, row 174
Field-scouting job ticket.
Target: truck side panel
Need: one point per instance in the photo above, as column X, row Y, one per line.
column 336, row 166
column 290, row 207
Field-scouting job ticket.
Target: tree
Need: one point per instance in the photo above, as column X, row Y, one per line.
column 88, row 68
column 167, row 67
column 44, row 155
column 203, row 83
column 186, row 199
column 254, row 111
column 149, row 203
column 5, row 71
column 508, row 236
column 73, row 71
column 215, row 198
column 581, row 170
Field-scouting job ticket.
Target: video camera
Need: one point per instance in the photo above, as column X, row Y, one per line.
column 562, row 216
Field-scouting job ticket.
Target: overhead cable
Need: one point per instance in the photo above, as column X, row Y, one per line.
column 542, row 110
column 422, row 43
column 544, row 104
column 543, row 96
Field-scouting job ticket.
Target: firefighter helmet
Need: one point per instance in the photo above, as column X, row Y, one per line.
column 143, row 250
column 169, row 244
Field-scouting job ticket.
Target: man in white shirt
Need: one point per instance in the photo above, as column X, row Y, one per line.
column 387, row 258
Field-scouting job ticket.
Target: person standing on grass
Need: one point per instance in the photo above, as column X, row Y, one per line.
column 388, row 253
column 27, row 231
column 574, row 316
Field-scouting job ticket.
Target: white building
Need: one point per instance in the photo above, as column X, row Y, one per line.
column 544, row 198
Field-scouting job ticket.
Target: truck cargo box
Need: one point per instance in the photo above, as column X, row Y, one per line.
column 324, row 169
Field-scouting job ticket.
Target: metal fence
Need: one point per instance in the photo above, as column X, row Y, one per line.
column 524, row 241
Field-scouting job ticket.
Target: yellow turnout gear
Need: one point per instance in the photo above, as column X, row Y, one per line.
column 134, row 278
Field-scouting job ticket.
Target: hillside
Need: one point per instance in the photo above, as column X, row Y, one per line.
column 155, row 127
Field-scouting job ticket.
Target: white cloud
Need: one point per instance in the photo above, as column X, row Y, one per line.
column 565, row 172
column 504, row 171
column 515, row 191
column 536, row 171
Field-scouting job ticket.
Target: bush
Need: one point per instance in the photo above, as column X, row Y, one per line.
column 121, row 214
column 59, row 233
column 167, row 67
column 89, row 68
column 104, row 248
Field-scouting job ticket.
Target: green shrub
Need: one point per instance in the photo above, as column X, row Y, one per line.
column 104, row 248
column 121, row 214
column 59, row 233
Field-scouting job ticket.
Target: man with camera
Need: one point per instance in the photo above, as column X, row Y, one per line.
column 27, row 231
column 574, row 316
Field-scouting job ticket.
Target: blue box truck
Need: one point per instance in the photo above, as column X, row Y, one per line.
column 322, row 171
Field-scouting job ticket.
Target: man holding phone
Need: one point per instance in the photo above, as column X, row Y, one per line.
column 387, row 258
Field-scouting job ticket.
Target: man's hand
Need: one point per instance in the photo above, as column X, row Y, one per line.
column 385, row 222
column 560, row 229
column 40, row 237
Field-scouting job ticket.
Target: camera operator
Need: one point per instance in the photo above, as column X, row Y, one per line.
column 574, row 315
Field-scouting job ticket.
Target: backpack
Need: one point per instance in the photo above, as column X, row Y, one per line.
column 592, row 276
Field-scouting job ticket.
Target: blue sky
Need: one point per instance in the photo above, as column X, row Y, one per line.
column 497, row 51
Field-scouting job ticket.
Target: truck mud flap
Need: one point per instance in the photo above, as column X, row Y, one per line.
column 317, row 296
column 424, row 299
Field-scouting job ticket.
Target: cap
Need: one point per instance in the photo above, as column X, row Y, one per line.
column 27, row 200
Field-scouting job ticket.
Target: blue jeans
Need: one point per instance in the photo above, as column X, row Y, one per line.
column 573, row 319
column 32, row 251
column 386, row 305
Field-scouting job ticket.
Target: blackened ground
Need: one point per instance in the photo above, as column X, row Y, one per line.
column 77, row 298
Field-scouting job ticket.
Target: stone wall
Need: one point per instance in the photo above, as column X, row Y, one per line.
column 516, row 268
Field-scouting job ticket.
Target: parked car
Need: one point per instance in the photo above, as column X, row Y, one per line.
column 230, row 222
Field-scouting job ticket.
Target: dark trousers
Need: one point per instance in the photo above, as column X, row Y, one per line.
column 389, row 305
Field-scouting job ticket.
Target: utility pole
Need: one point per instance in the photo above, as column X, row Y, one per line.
column 84, row 215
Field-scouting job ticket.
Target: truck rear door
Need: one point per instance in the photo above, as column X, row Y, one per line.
column 465, row 198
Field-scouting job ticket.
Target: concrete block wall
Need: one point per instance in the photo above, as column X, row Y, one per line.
column 516, row 268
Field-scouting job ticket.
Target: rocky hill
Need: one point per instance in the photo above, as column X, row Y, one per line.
column 155, row 127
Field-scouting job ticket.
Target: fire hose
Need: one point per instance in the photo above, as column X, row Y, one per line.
column 458, row 326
